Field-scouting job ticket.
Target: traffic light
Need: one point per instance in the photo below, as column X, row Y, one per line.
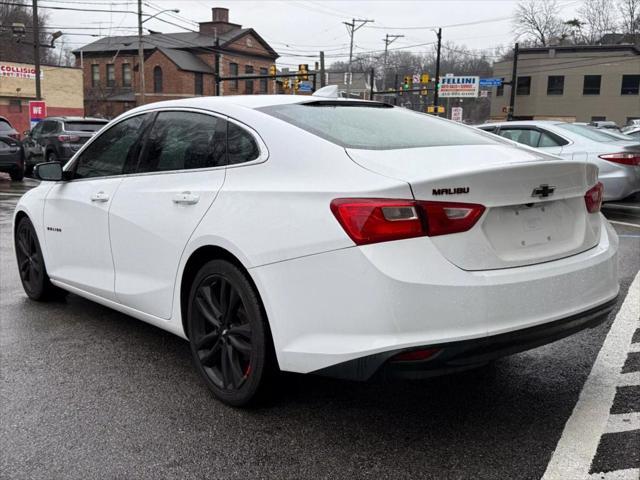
column 303, row 71
column 285, row 84
column 272, row 70
column 408, row 80
column 296, row 83
column 424, row 78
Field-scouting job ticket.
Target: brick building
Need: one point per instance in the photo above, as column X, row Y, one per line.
column 176, row 65
column 61, row 91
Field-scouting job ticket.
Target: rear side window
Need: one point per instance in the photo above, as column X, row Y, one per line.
column 375, row 126
column 112, row 152
column 49, row 127
column 241, row 145
column 526, row 136
column 4, row 126
column 83, row 126
column 184, row 141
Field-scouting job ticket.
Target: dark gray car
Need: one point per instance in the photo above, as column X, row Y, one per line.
column 56, row 139
column 11, row 157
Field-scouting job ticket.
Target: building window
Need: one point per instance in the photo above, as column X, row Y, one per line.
column 598, row 119
column 555, row 85
column 95, row 75
column 157, row 80
column 500, row 89
column 15, row 105
column 248, row 89
column 233, row 72
column 126, row 74
column 199, row 83
column 111, row 75
column 591, row 85
column 523, row 86
column 630, row 85
column 264, row 82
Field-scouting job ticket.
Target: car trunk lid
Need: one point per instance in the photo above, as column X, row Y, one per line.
column 535, row 207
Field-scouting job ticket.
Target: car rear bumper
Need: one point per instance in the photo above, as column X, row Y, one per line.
column 620, row 183
column 459, row 356
column 353, row 303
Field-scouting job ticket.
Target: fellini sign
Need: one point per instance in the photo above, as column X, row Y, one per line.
column 15, row 71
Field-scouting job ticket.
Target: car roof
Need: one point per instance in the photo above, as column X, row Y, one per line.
column 78, row 119
column 523, row 122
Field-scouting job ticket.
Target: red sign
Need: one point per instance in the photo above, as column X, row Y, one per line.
column 37, row 111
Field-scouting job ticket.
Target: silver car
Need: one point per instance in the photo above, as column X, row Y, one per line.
column 617, row 158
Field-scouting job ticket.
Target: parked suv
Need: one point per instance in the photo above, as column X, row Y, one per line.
column 56, row 139
column 11, row 157
column 6, row 130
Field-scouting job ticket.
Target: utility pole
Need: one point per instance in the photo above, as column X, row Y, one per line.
column 435, row 90
column 352, row 29
column 36, row 49
column 514, row 84
column 388, row 40
column 322, row 79
column 140, row 54
column 217, row 66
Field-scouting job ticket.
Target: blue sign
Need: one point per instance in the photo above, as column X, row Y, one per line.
column 305, row 87
column 490, row 82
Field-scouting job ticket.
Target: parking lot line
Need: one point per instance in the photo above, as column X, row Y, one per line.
column 629, row 379
column 623, row 422
column 629, row 474
column 581, row 436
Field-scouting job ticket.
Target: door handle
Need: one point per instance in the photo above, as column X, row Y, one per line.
column 186, row 198
column 100, row 197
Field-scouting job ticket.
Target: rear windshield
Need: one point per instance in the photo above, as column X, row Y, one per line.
column 4, row 126
column 83, row 126
column 588, row 132
column 375, row 126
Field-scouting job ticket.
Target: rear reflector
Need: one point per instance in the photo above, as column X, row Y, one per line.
column 593, row 198
column 415, row 355
column 68, row 138
column 373, row 220
column 623, row 158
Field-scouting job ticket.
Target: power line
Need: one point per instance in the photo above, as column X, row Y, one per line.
column 454, row 25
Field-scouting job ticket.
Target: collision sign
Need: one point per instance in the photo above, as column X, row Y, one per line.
column 459, row 87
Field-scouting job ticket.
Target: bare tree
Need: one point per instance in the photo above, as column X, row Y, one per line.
column 630, row 13
column 15, row 48
column 538, row 22
column 598, row 18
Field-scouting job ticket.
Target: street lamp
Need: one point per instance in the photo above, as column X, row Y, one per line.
column 140, row 49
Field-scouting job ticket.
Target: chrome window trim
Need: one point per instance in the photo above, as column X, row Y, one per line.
column 263, row 157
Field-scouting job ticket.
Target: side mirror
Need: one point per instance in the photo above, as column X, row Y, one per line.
column 26, row 133
column 48, row 171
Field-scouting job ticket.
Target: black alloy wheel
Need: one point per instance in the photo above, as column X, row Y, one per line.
column 33, row 272
column 228, row 333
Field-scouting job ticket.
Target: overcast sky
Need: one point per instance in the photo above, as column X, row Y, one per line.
column 304, row 27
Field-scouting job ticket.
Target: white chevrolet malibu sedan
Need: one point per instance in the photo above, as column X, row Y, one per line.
column 319, row 235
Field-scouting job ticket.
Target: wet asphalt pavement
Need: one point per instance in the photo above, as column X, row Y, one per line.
column 86, row 392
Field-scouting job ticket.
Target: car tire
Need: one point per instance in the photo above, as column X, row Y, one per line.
column 229, row 334
column 28, row 166
column 17, row 175
column 31, row 267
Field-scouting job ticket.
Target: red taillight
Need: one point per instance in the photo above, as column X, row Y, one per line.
column 373, row 220
column 68, row 138
column 415, row 355
column 623, row 158
column 593, row 198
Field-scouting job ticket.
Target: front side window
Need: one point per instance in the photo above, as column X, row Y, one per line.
column 523, row 86
column 184, row 141
column 49, row 127
column 375, row 126
column 112, row 152
column 95, row 75
column 630, row 85
column 591, row 85
column 157, row 80
column 555, row 85
column 241, row 145
column 126, row 74
column 233, row 71
column 111, row 75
